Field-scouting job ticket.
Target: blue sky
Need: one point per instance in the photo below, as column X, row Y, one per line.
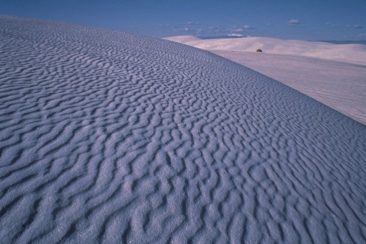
column 291, row 19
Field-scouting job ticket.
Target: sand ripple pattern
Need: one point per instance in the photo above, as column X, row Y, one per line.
column 116, row 138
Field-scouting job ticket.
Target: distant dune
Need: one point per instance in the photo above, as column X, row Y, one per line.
column 350, row 53
column 118, row 138
column 330, row 73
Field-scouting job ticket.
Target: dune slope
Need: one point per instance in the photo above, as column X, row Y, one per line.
column 108, row 136
column 341, row 86
column 333, row 74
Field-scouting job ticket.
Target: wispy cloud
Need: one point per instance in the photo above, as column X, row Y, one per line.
column 235, row 35
column 238, row 29
column 247, row 27
column 197, row 29
column 293, row 22
column 358, row 26
column 242, row 28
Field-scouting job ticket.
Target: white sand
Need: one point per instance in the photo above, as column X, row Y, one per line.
column 333, row 74
column 109, row 137
column 350, row 53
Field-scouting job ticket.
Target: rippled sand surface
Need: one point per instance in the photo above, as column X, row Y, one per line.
column 117, row 138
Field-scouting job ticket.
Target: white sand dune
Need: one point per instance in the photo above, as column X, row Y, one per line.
column 350, row 53
column 117, row 138
column 333, row 74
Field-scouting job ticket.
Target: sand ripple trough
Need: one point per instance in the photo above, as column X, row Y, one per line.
column 114, row 137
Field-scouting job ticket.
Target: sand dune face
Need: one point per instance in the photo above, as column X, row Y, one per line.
column 113, row 137
column 333, row 74
column 341, row 86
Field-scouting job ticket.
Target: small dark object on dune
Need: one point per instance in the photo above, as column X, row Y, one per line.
column 259, row 50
